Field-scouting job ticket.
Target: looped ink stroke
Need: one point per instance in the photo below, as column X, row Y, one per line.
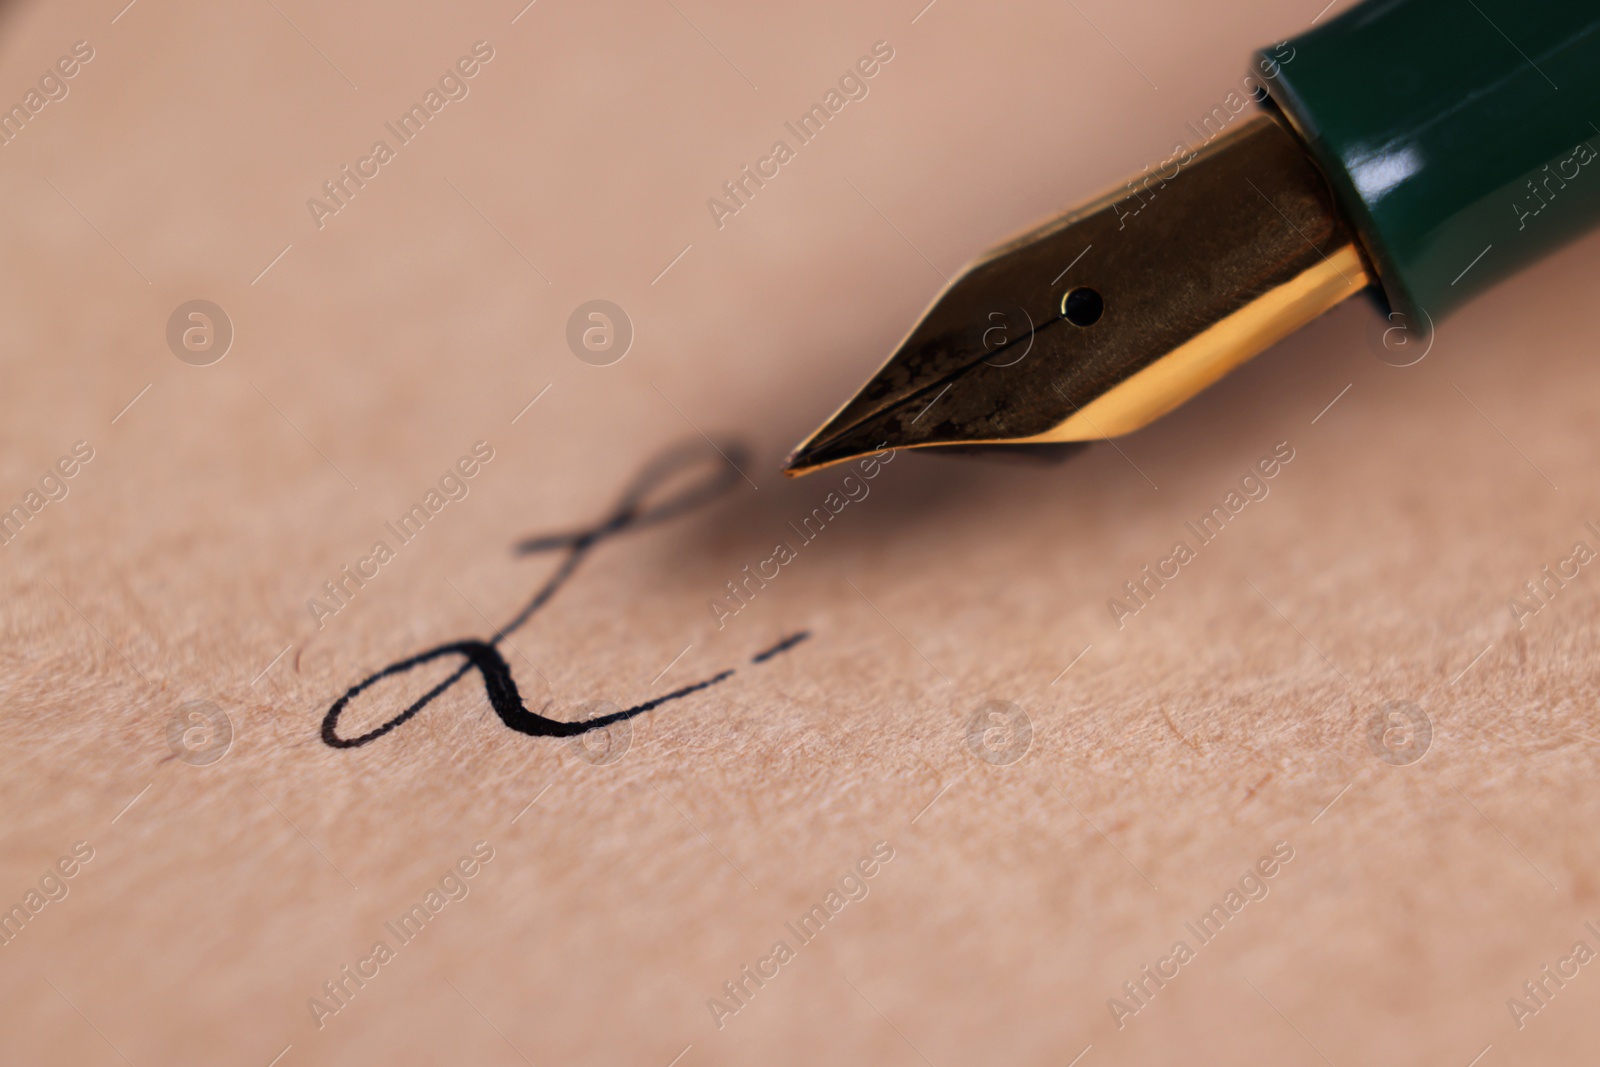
column 633, row 511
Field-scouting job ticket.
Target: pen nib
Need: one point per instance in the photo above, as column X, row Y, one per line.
column 1100, row 320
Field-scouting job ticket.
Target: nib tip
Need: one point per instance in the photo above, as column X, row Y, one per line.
column 796, row 466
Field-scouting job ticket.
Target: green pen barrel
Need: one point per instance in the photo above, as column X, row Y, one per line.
column 1458, row 135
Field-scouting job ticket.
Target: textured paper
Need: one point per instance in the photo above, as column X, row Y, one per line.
column 1156, row 759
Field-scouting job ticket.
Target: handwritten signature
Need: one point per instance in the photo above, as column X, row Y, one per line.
column 633, row 511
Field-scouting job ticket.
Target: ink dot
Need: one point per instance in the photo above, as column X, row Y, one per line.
column 1082, row 306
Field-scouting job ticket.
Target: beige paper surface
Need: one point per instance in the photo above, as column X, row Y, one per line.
column 1021, row 872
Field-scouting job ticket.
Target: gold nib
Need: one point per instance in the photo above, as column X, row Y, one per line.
column 1107, row 317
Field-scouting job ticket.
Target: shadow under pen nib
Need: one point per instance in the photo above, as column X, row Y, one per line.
column 1107, row 317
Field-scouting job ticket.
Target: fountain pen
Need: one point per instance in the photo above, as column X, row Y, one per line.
column 1416, row 150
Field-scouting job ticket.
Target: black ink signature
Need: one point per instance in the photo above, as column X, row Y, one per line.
column 484, row 656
